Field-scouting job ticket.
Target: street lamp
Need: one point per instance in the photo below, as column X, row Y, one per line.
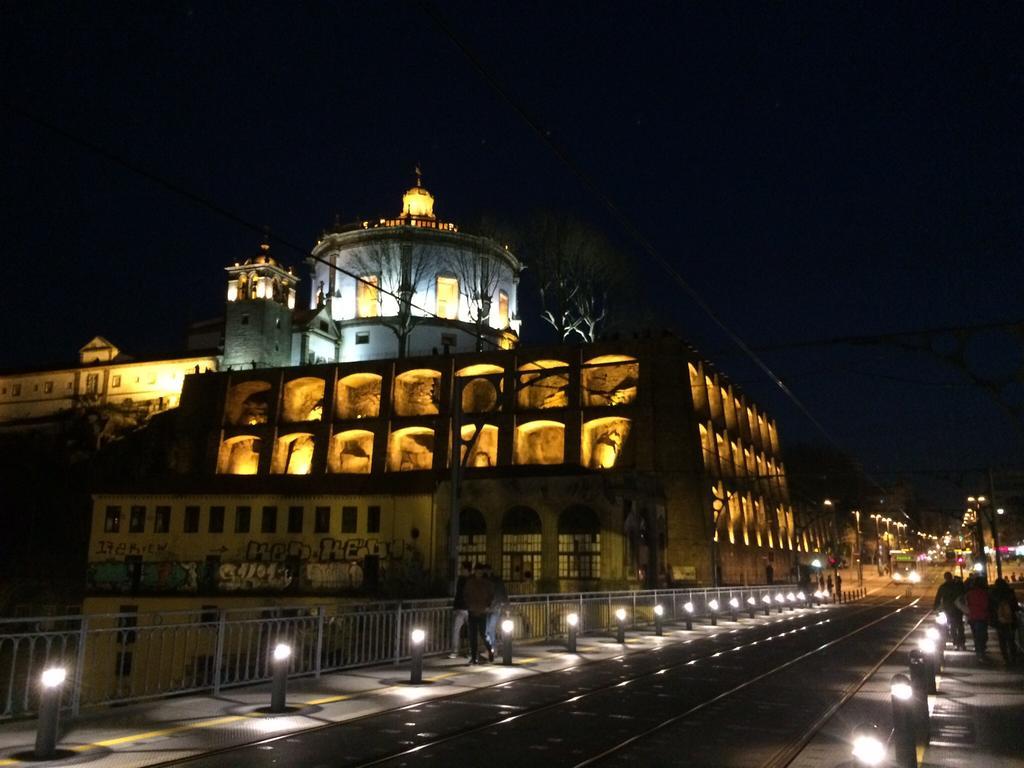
column 860, row 559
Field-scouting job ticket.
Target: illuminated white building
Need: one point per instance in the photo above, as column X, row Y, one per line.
column 415, row 282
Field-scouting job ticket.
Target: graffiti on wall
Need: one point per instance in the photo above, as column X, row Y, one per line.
column 325, row 551
column 122, row 549
column 340, row 576
column 163, row 576
column 247, row 577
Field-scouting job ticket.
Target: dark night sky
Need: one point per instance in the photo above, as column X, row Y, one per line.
column 814, row 170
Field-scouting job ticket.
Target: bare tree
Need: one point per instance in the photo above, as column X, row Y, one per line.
column 478, row 284
column 399, row 268
column 575, row 268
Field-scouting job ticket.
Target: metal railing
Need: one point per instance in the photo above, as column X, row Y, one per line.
column 122, row 657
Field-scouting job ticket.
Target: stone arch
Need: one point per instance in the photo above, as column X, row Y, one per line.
column 410, row 449
column 540, row 442
column 248, row 403
column 416, row 392
column 358, row 396
column 293, row 454
column 303, row 400
column 543, row 384
column 609, row 380
column 239, row 455
column 351, row 452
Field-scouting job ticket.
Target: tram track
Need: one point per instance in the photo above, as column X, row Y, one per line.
column 638, row 669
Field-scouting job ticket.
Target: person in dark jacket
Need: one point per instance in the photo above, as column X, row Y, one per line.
column 459, row 613
column 478, row 594
column 1004, row 612
column 945, row 601
column 498, row 606
column 977, row 599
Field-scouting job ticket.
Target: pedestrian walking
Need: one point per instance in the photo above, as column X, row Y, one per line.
column 821, row 582
column 839, row 586
column 459, row 613
column 976, row 599
column 1005, row 612
column 498, row 606
column 945, row 602
column 478, row 594
column 829, row 584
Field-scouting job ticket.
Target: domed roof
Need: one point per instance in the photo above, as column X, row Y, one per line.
column 417, row 201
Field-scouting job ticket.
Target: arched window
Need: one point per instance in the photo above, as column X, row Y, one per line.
column 303, row 400
column 472, row 536
column 416, row 392
column 239, row 455
column 609, row 380
column 351, row 452
column 359, row 396
column 579, row 544
column 540, row 442
column 410, row 449
column 248, row 403
column 520, row 545
column 293, row 454
column 543, row 384
column 606, row 443
column 485, row 449
column 480, row 395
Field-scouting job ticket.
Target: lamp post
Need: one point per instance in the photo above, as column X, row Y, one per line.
column 878, row 544
column 860, row 559
column 506, row 642
column 688, row 607
column 659, row 611
column 573, row 621
column 620, row 617
column 279, row 681
column 416, row 672
column 713, row 611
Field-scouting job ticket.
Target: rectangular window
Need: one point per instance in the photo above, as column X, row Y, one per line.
column 112, row 521
column 322, row 520
column 366, row 296
column 447, row 298
column 92, row 383
column 295, row 519
column 373, row 519
column 162, row 520
column 115, row 381
column 16, row 389
column 502, row 309
column 349, row 519
column 137, row 520
column 269, row 524
column 363, row 338
column 216, row 519
column 191, row 519
column 243, row 519
column 48, row 387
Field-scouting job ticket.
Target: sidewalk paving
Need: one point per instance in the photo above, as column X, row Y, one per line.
column 978, row 711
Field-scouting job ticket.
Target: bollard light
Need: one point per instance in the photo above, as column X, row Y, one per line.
column 751, row 605
column 49, row 712
column 506, row 642
column 734, row 604
column 868, row 745
column 790, row 599
column 573, row 621
column 902, row 693
column 941, row 620
column 919, row 682
column 659, row 611
column 713, row 607
column 767, row 600
column 802, row 598
column 688, row 607
column 417, row 636
column 780, row 600
column 620, row 616
column 927, row 647
column 279, row 680
column 915, row 577
column 979, row 568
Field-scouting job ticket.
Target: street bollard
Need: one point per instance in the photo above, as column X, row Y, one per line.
column 927, row 648
column 52, row 681
column 659, row 611
column 805, row 599
column 506, row 642
column 767, row 600
column 919, row 684
column 868, row 745
column 620, row 615
column 933, row 634
column 903, row 721
column 734, row 605
column 573, row 621
column 790, row 599
column 817, row 597
column 688, row 607
column 417, row 636
column 279, row 680
column 943, row 624
column 713, row 612
column 751, row 605
column 780, row 599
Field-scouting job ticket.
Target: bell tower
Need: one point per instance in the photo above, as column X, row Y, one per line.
column 258, row 316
